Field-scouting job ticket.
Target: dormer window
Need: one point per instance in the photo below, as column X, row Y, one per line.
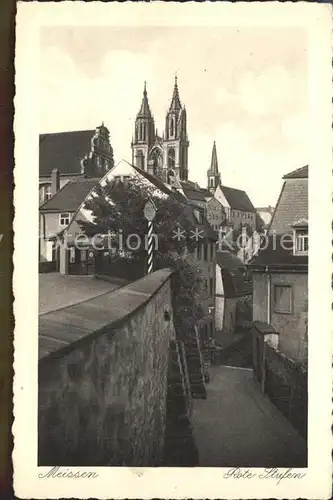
column 198, row 215
column 301, row 237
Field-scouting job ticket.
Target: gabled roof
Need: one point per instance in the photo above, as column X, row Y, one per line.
column 158, row 183
column 299, row 173
column 64, row 151
column 70, row 196
column 238, row 199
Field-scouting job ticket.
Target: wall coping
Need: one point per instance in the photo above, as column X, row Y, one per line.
column 60, row 331
column 264, row 328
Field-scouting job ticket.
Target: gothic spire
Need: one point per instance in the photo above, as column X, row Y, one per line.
column 175, row 102
column 144, row 109
column 214, row 168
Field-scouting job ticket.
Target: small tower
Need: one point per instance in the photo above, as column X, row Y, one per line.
column 100, row 159
column 213, row 176
column 144, row 134
column 175, row 142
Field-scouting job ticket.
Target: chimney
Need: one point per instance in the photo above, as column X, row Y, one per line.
column 55, row 181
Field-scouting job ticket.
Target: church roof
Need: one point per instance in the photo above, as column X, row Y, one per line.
column 238, row 199
column 144, row 111
column 64, row 151
column 175, row 101
column 70, row 196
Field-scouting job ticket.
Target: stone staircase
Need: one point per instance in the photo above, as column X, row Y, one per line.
column 195, row 365
column 180, row 449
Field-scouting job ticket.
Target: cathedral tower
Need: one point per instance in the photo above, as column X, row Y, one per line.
column 213, row 175
column 144, row 134
column 175, row 141
column 167, row 156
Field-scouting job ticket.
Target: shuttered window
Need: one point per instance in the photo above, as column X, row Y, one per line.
column 283, row 299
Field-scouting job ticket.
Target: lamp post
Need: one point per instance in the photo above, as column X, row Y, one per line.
column 149, row 213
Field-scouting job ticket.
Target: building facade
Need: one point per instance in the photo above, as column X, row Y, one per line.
column 237, row 206
column 280, row 271
column 75, row 155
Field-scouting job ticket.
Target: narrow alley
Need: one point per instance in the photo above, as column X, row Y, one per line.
column 237, row 426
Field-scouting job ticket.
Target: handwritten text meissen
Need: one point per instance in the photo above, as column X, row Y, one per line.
column 67, row 474
column 272, row 473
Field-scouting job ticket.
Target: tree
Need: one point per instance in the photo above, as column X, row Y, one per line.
column 118, row 207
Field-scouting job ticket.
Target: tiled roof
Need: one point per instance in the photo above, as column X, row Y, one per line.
column 228, row 260
column 206, row 193
column 158, row 183
column 232, row 270
column 300, row 223
column 238, row 199
column 208, row 232
column 64, row 151
column 292, row 205
column 193, row 194
column 233, row 283
column 277, row 256
column 299, row 173
column 70, row 196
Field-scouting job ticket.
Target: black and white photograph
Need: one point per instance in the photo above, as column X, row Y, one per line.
column 170, row 305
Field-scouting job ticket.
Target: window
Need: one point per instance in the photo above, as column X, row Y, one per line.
column 199, row 253
column 72, row 255
column 205, row 248
column 211, row 180
column 283, row 299
column 48, row 192
column 64, row 219
column 301, row 242
column 211, row 286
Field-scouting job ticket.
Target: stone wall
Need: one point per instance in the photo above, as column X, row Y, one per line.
column 281, row 378
column 103, row 373
column 286, row 385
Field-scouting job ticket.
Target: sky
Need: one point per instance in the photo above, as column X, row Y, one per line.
column 245, row 88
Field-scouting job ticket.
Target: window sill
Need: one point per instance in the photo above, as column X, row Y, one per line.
column 290, row 313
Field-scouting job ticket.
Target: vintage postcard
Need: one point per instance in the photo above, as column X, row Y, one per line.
column 172, row 262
